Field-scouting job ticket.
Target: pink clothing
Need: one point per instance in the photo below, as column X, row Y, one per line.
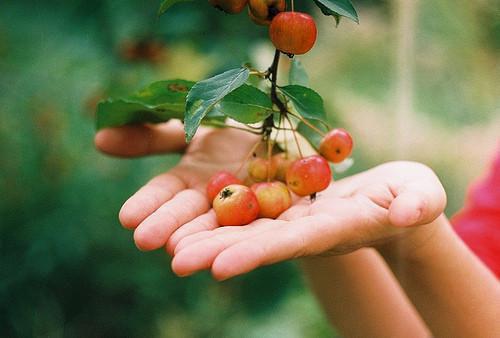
column 478, row 223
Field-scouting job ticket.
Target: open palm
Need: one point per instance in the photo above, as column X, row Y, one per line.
column 176, row 197
column 373, row 207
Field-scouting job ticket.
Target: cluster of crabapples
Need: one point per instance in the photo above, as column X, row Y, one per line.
column 291, row 32
column 270, row 181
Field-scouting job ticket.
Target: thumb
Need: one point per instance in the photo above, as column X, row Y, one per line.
column 417, row 202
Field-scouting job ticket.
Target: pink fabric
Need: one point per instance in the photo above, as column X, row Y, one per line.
column 478, row 223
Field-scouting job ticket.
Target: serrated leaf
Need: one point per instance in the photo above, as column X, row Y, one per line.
column 338, row 7
column 207, row 93
column 166, row 4
column 311, row 134
column 307, row 102
column 159, row 102
column 298, row 74
column 246, row 104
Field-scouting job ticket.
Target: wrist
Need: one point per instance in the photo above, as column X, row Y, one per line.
column 419, row 243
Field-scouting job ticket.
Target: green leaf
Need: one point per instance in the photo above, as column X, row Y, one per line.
column 307, row 102
column 159, row 102
column 207, row 93
column 311, row 135
column 166, row 4
column 338, row 8
column 247, row 104
column 298, row 74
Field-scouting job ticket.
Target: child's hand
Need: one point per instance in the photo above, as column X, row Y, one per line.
column 177, row 196
column 380, row 206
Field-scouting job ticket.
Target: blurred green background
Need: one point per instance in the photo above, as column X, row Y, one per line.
column 415, row 80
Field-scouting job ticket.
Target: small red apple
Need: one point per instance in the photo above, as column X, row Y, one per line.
column 236, row 205
column 282, row 162
column 263, row 11
column 336, row 146
column 218, row 181
column 273, row 197
column 261, row 169
column 309, row 175
column 293, row 32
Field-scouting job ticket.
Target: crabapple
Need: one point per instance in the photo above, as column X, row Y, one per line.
column 308, row 175
column 293, row 32
column 282, row 162
column 261, row 169
column 263, row 11
column 236, row 205
column 273, row 198
column 336, row 145
column 229, row 6
column 218, row 181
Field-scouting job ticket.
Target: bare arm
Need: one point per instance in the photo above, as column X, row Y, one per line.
column 455, row 293
column 361, row 297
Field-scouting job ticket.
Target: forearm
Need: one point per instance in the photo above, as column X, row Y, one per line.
column 361, row 297
column 454, row 292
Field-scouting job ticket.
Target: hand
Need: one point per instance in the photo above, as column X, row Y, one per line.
column 386, row 205
column 177, row 196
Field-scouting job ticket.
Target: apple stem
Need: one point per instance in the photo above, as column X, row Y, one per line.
column 294, row 136
column 309, row 124
column 269, row 151
column 313, row 197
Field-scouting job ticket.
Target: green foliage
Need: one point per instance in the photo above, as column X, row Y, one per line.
column 246, row 104
column 338, row 8
column 207, row 93
column 306, row 101
column 159, row 102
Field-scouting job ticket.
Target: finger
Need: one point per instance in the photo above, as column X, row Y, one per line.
column 217, row 231
column 130, row 141
column 290, row 240
column 197, row 252
column 418, row 202
column 201, row 223
column 149, row 198
column 155, row 230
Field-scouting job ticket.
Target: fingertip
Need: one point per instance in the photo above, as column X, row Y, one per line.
column 100, row 139
column 113, row 141
column 220, row 271
column 181, row 266
column 145, row 240
column 127, row 217
column 407, row 210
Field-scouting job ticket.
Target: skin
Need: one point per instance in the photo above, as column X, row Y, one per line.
column 218, row 181
column 308, row 175
column 274, row 198
column 395, row 208
column 263, row 11
column 229, row 6
column 336, row 146
column 236, row 205
column 177, row 196
column 293, row 32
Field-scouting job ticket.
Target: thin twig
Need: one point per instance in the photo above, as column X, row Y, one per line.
column 294, row 136
column 309, row 124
